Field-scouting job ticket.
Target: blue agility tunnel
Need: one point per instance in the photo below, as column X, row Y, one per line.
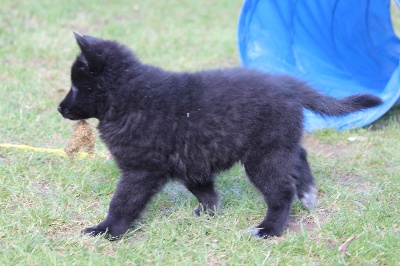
column 340, row 47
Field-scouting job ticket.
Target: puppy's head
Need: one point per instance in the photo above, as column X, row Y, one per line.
column 90, row 78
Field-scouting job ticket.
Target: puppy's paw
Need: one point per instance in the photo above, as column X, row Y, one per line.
column 93, row 231
column 201, row 210
column 261, row 232
column 96, row 231
column 252, row 230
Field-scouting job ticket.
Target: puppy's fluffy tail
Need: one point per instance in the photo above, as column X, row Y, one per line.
column 328, row 106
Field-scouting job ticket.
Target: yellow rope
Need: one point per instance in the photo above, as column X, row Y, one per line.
column 59, row 152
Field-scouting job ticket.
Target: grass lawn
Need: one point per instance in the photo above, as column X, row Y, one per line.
column 45, row 200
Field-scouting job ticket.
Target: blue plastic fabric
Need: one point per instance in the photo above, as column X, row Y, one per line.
column 340, row 47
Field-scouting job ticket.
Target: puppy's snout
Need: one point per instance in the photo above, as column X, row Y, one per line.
column 62, row 110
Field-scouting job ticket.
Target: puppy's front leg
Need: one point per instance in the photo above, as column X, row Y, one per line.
column 133, row 192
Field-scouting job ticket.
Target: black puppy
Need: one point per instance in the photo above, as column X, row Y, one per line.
column 162, row 125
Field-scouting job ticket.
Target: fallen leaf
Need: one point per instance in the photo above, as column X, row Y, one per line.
column 342, row 247
column 4, row 159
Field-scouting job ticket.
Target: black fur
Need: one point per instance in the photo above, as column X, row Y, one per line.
column 162, row 125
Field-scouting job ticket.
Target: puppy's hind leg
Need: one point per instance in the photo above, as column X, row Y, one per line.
column 306, row 190
column 269, row 170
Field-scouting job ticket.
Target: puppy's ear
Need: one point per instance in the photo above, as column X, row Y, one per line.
column 86, row 42
column 90, row 50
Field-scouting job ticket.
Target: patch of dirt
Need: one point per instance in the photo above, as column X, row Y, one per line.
column 310, row 223
column 313, row 145
column 353, row 180
column 136, row 236
column 44, row 189
column 41, row 188
column 337, row 150
column 4, row 160
column 297, row 224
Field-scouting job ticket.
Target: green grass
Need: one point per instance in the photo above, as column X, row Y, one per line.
column 46, row 200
